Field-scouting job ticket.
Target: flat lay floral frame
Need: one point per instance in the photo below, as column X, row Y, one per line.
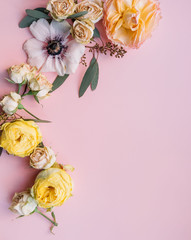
column 63, row 32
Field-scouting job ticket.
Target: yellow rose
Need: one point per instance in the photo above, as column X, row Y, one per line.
column 83, row 31
column 52, row 187
column 60, row 9
column 94, row 8
column 20, row 137
column 131, row 22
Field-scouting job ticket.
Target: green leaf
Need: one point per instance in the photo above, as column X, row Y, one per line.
column 77, row 15
column 42, row 9
column 59, row 81
column 90, row 75
column 9, row 80
column 27, row 21
column 36, row 14
column 96, row 33
column 1, row 150
column 94, row 81
column 34, row 93
column 36, row 98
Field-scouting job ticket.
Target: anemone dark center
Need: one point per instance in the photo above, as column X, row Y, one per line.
column 54, row 47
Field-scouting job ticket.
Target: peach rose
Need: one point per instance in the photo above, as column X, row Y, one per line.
column 131, row 22
column 94, row 8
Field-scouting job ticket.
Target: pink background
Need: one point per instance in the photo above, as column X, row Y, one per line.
column 129, row 140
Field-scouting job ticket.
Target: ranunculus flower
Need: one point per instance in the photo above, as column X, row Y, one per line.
column 94, row 8
column 60, row 9
column 50, row 50
column 21, row 73
column 10, row 103
column 20, row 137
column 41, row 85
column 42, row 158
column 131, row 22
column 23, row 203
column 83, row 31
column 52, row 188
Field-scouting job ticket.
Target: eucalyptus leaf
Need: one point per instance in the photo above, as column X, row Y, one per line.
column 36, row 14
column 1, row 150
column 90, row 75
column 27, row 21
column 96, row 33
column 77, row 15
column 94, row 81
column 59, row 81
column 42, row 9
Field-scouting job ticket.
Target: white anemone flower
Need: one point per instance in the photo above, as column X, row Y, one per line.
column 50, row 50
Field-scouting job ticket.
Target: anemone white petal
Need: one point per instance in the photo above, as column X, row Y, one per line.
column 60, row 66
column 59, row 30
column 73, row 56
column 49, row 65
column 40, row 29
column 36, row 54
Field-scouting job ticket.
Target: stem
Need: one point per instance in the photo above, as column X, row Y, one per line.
column 37, row 211
column 19, row 89
column 30, row 113
column 24, row 91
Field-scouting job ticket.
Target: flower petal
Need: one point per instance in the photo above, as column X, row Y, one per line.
column 40, row 29
column 60, row 66
column 73, row 56
column 36, row 55
column 59, row 30
column 49, row 65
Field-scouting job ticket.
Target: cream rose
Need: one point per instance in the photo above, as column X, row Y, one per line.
column 10, row 103
column 60, row 9
column 23, row 203
column 94, row 8
column 42, row 158
column 41, row 85
column 83, row 31
column 21, row 73
column 131, row 22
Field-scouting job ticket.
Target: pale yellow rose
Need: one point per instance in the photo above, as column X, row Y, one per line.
column 23, row 203
column 20, row 137
column 60, row 9
column 94, row 8
column 41, row 85
column 131, row 22
column 21, row 73
column 83, row 31
column 52, row 187
column 42, row 158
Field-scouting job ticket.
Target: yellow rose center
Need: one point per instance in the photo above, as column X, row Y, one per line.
column 131, row 19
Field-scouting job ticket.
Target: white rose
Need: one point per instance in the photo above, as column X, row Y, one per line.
column 41, row 85
column 94, row 8
column 21, row 73
column 42, row 158
column 10, row 103
column 23, row 203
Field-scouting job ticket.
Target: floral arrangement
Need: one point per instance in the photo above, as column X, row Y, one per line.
column 64, row 32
